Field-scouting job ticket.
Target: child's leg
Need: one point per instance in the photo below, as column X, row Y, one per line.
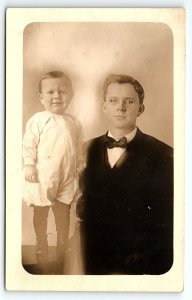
column 40, row 227
column 62, row 214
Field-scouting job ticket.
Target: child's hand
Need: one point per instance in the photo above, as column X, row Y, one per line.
column 31, row 174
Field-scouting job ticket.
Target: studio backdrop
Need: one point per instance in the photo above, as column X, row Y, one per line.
column 88, row 52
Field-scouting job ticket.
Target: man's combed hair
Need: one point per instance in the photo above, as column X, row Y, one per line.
column 56, row 74
column 120, row 78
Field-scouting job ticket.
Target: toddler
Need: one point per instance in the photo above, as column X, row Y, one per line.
column 52, row 156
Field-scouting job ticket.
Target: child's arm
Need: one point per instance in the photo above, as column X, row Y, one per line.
column 30, row 144
column 31, row 173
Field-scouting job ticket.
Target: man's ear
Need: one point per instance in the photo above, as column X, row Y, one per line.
column 40, row 98
column 141, row 109
column 104, row 106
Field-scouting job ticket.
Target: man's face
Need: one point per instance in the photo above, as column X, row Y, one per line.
column 55, row 95
column 122, row 106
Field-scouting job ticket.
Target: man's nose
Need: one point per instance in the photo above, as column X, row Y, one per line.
column 121, row 106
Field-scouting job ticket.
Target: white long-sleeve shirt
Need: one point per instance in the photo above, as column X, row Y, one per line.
column 53, row 143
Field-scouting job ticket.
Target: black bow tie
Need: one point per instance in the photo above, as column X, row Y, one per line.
column 111, row 143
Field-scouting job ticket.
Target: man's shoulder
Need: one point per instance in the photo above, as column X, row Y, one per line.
column 156, row 145
column 93, row 144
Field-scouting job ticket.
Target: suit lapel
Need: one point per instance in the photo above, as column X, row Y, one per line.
column 106, row 160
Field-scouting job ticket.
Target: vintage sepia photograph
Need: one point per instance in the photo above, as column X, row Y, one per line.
column 99, row 162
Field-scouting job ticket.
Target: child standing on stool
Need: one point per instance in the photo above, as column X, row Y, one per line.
column 52, row 154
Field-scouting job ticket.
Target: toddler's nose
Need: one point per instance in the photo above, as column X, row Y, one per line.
column 56, row 94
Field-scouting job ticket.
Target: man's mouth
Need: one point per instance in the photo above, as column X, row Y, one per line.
column 57, row 103
column 119, row 117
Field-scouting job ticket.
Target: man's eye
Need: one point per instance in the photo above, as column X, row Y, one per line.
column 50, row 92
column 128, row 101
column 113, row 100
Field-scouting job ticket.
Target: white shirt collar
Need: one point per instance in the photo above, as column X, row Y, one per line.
column 49, row 113
column 129, row 136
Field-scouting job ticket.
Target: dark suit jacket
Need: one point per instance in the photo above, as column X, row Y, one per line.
column 128, row 217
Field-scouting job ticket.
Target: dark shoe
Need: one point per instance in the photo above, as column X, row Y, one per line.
column 42, row 250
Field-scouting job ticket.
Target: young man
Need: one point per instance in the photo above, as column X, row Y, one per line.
column 127, row 190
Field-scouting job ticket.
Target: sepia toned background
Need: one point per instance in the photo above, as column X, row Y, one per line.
column 88, row 52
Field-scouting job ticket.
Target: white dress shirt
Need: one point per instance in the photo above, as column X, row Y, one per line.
column 115, row 153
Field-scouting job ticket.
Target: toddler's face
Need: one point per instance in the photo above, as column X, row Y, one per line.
column 55, row 95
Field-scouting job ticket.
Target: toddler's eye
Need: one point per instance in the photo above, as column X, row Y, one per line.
column 50, row 92
column 62, row 92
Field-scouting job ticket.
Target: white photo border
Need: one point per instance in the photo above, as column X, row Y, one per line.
column 16, row 277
